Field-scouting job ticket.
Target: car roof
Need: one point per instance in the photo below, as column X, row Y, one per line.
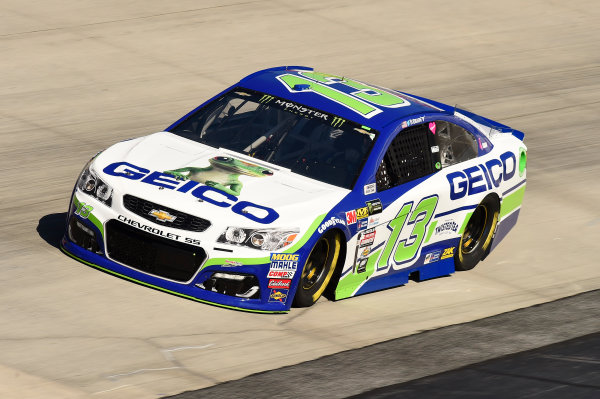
column 269, row 81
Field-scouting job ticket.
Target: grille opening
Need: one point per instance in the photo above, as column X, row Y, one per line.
column 183, row 221
column 233, row 284
column 83, row 236
column 152, row 254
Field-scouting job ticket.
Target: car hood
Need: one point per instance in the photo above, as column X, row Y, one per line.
column 137, row 167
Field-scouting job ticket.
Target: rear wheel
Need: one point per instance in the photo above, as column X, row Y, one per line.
column 478, row 234
column 318, row 269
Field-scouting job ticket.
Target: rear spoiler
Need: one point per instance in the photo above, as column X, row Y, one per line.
column 487, row 126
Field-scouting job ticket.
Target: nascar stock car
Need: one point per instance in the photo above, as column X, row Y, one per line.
column 294, row 183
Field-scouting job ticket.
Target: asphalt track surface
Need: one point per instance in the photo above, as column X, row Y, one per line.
column 406, row 367
column 77, row 76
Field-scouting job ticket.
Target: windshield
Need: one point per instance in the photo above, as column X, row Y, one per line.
column 305, row 140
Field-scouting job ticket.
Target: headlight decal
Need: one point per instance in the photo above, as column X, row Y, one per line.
column 266, row 259
column 262, row 239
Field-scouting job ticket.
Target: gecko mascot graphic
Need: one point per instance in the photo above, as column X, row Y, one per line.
column 222, row 174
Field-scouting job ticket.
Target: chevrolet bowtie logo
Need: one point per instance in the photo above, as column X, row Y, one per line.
column 162, row 216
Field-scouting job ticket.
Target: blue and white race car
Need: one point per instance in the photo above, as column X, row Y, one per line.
column 294, row 183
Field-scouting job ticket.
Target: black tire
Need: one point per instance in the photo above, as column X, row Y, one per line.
column 477, row 236
column 318, row 269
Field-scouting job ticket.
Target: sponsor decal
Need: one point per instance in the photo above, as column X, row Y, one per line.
column 361, row 267
column 413, row 121
column 482, row 177
column 284, row 261
column 278, row 295
column 278, row 283
column 305, row 111
column 162, row 216
column 351, row 217
column 432, row 128
column 212, row 195
column 281, row 274
column 448, row 253
column 332, row 221
column 362, row 224
column 337, row 121
column 266, row 99
column 158, row 232
column 373, row 221
column 367, row 238
column 370, row 188
column 222, row 173
column 362, row 212
column 231, row 263
column 446, row 227
column 435, row 149
column 374, row 206
column 432, row 257
column 366, row 251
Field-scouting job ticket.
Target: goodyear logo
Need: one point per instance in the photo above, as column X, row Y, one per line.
column 162, row 216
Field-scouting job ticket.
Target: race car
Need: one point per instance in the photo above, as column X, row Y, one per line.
column 292, row 184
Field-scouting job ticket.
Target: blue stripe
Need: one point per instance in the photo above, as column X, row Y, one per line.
column 514, row 188
column 462, row 208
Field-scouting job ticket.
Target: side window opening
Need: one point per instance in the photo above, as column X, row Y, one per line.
column 455, row 143
column 408, row 157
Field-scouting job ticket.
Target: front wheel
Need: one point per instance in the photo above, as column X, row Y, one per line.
column 318, row 269
column 478, row 234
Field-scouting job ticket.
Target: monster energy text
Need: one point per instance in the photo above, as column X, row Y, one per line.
column 290, row 106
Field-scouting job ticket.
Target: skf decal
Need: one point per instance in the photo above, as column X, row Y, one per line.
column 482, row 177
column 278, row 295
column 278, row 283
column 448, row 253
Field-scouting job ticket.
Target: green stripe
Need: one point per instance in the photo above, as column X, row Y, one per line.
column 351, row 281
column 91, row 217
column 166, row 290
column 512, row 202
column 266, row 259
column 462, row 228
column 430, row 231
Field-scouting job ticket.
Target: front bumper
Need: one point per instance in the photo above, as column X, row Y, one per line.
column 198, row 284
